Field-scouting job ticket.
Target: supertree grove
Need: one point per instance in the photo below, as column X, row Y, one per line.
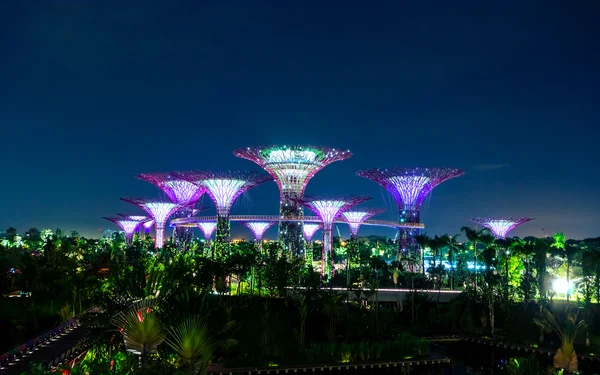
column 127, row 225
column 500, row 226
column 224, row 188
column 328, row 209
column 409, row 186
column 258, row 228
column 355, row 218
column 159, row 210
column 292, row 168
column 180, row 191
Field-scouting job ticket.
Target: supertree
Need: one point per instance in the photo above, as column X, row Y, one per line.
column 409, row 186
column 309, row 231
column 144, row 220
column 292, row 167
column 207, row 228
column 355, row 218
column 127, row 225
column 148, row 225
column 159, row 210
column 500, row 226
column 180, row 191
column 258, row 228
column 328, row 209
column 224, row 188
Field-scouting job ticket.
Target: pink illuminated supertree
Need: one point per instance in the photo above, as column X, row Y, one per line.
column 148, row 225
column 207, row 228
column 224, row 188
column 258, row 228
column 328, row 209
column 127, row 225
column 292, row 168
column 356, row 217
column 141, row 218
column 500, row 226
column 180, row 191
column 309, row 231
column 409, row 186
column 160, row 211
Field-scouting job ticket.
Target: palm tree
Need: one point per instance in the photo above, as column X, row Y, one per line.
column 475, row 237
column 142, row 330
column 453, row 247
column 192, row 343
column 423, row 241
column 565, row 357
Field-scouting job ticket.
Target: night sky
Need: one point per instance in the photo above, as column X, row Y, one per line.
column 94, row 92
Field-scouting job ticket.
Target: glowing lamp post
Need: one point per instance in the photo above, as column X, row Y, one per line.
column 160, row 211
column 328, row 210
column 409, row 187
column 292, row 168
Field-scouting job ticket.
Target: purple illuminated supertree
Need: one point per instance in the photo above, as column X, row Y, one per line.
column 328, row 209
column 148, row 225
column 207, row 228
column 180, row 191
column 355, row 218
column 409, row 186
column 309, row 231
column 500, row 226
column 141, row 218
column 224, row 188
column 159, row 210
column 127, row 225
column 258, row 228
column 292, row 167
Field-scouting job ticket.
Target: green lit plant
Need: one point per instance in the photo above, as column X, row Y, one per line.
column 192, row 343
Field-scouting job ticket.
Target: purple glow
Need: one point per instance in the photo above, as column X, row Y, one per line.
column 309, row 230
column 410, row 186
column 208, row 228
column 356, row 218
column 500, row 226
column 159, row 211
column 327, row 210
column 224, row 192
column 128, row 226
column 148, row 224
column 177, row 188
column 258, row 228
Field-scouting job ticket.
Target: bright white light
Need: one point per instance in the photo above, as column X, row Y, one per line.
column 128, row 226
column 137, row 217
column 327, row 210
column 561, row 286
column 208, row 228
column 224, row 192
column 286, row 155
column 148, row 224
column 160, row 211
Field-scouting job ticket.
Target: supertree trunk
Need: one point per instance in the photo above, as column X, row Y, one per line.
column 327, row 256
column 223, row 235
column 160, row 237
column 291, row 232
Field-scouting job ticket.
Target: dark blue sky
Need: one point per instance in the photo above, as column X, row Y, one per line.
column 93, row 92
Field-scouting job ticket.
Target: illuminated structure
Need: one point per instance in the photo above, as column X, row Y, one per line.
column 127, row 225
column 148, row 225
column 309, row 231
column 409, row 186
column 258, row 228
column 159, row 210
column 224, row 188
column 292, row 167
column 500, row 226
column 356, row 217
column 141, row 218
column 208, row 228
column 180, row 191
column 328, row 209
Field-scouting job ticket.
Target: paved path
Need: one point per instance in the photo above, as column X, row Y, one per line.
column 48, row 352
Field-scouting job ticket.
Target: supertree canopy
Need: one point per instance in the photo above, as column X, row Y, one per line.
column 159, row 210
column 148, row 224
column 310, row 229
column 409, row 186
column 208, row 228
column 141, row 218
column 127, row 225
column 328, row 209
column 224, row 188
column 292, row 167
column 258, row 228
column 500, row 226
column 356, row 217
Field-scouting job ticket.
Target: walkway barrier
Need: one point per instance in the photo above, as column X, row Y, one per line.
column 42, row 339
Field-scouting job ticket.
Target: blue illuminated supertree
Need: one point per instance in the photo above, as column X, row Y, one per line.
column 180, row 191
column 224, row 188
column 127, row 225
column 258, row 228
column 356, row 217
column 500, row 226
column 159, row 210
column 292, row 167
column 328, row 209
column 409, row 186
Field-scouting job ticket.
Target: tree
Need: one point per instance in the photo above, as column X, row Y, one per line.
column 475, row 237
column 192, row 343
column 453, row 247
column 567, row 251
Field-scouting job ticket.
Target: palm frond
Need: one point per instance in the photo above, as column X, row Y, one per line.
column 192, row 342
column 142, row 330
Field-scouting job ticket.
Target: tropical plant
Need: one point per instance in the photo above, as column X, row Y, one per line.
column 192, row 343
column 565, row 357
column 475, row 237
